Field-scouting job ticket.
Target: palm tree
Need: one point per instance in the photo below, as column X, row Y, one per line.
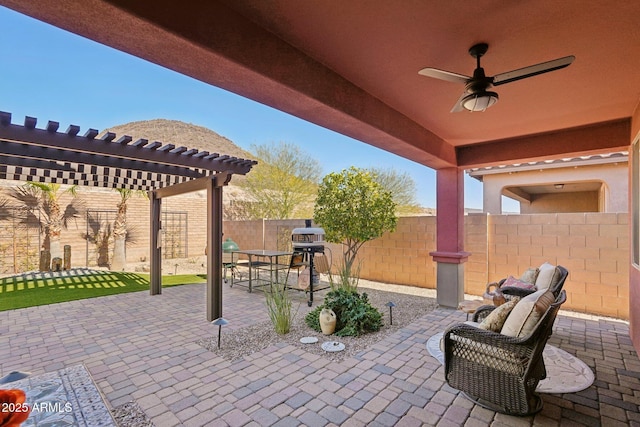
column 40, row 204
column 120, row 231
column 98, row 234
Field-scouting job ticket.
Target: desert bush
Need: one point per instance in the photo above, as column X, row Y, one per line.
column 355, row 315
column 280, row 309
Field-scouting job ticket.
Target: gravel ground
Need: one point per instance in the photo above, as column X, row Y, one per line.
column 242, row 342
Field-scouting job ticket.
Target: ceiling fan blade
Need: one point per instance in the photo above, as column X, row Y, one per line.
column 444, row 75
column 458, row 105
column 533, row 70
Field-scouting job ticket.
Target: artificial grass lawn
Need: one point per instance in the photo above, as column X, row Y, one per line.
column 17, row 292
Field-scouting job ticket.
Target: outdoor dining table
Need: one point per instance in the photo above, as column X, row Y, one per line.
column 260, row 262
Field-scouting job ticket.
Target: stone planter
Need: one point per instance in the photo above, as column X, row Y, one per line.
column 327, row 321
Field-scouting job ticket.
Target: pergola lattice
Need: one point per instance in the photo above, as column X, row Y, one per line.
column 49, row 156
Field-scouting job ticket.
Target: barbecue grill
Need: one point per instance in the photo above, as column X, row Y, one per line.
column 228, row 246
column 308, row 242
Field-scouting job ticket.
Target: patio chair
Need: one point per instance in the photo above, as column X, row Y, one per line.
column 546, row 276
column 499, row 371
column 296, row 262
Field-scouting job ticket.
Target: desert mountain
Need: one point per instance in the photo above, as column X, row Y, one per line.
column 180, row 134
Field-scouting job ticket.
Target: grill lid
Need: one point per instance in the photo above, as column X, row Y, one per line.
column 308, row 236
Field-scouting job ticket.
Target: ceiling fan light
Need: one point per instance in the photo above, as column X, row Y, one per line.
column 479, row 101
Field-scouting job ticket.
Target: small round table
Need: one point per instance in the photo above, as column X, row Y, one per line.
column 470, row 306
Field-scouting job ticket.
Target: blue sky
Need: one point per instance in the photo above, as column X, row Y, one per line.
column 51, row 74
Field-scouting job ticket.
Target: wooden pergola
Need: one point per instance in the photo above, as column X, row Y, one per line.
column 163, row 170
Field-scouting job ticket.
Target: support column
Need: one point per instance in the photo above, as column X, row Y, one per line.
column 492, row 196
column 155, row 249
column 214, row 245
column 450, row 254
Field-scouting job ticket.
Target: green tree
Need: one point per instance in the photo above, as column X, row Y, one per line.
column 120, row 231
column 40, row 204
column 353, row 208
column 402, row 188
column 283, row 184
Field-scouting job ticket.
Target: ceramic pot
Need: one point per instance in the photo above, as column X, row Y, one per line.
column 327, row 321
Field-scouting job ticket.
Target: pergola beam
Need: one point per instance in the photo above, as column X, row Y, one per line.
column 185, row 187
column 28, row 151
column 87, row 144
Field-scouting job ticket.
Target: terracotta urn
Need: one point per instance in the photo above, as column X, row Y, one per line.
column 327, row 321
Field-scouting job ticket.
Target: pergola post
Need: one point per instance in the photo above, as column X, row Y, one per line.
column 155, row 249
column 450, row 254
column 214, row 245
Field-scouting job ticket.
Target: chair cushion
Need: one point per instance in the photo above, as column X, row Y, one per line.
column 530, row 275
column 548, row 276
column 526, row 314
column 517, row 283
column 495, row 320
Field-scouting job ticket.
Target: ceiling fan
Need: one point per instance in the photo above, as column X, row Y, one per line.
column 477, row 96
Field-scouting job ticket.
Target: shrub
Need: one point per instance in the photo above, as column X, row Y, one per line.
column 353, row 208
column 355, row 315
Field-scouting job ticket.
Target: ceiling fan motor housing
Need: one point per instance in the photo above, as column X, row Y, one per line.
column 479, row 82
column 477, row 96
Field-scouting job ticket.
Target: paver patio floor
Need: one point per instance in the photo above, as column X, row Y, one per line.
column 143, row 348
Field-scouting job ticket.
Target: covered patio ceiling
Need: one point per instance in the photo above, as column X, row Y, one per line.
column 353, row 66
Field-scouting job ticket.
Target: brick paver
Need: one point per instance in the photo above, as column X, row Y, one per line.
column 143, row 348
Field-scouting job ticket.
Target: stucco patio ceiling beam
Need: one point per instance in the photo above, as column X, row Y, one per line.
column 107, row 150
column 212, row 43
column 599, row 138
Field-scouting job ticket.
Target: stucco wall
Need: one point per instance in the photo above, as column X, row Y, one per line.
column 586, row 201
column 613, row 176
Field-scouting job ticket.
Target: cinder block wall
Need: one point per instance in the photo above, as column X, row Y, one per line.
column 476, row 242
column 103, row 203
column 592, row 246
column 402, row 257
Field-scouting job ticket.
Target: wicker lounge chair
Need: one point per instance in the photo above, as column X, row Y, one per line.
column 556, row 277
column 497, row 371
